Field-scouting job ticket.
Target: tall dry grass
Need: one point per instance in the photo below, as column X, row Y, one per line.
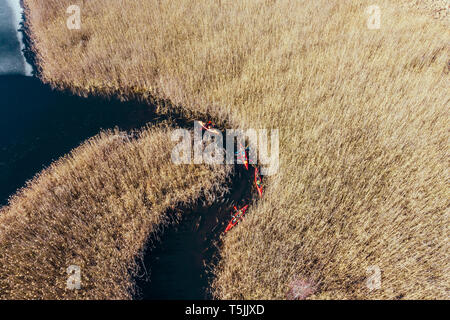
column 363, row 117
column 95, row 208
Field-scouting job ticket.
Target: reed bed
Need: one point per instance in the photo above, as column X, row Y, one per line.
column 363, row 115
column 96, row 208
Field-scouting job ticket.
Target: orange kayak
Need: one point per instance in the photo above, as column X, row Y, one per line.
column 236, row 217
column 209, row 126
column 242, row 154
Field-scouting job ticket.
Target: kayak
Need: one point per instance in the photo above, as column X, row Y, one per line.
column 242, row 154
column 258, row 182
column 236, row 217
column 206, row 125
column 209, row 126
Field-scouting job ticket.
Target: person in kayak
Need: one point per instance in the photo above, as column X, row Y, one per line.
column 258, row 182
column 209, row 126
column 237, row 216
column 242, row 154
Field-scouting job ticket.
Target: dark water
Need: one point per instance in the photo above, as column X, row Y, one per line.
column 38, row 125
column 179, row 266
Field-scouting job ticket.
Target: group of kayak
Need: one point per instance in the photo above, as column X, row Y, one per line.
column 242, row 153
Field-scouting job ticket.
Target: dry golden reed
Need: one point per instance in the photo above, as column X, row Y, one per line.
column 95, row 208
column 363, row 114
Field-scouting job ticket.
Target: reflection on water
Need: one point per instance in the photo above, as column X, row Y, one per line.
column 12, row 60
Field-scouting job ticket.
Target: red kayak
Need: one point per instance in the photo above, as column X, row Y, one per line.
column 242, row 154
column 236, row 217
column 209, row 126
column 258, row 182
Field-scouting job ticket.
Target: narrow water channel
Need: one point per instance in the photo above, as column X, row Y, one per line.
column 179, row 267
column 38, row 125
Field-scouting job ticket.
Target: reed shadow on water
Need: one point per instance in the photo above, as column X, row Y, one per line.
column 38, row 125
column 178, row 266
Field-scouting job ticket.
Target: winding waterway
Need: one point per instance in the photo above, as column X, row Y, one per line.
column 38, row 125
